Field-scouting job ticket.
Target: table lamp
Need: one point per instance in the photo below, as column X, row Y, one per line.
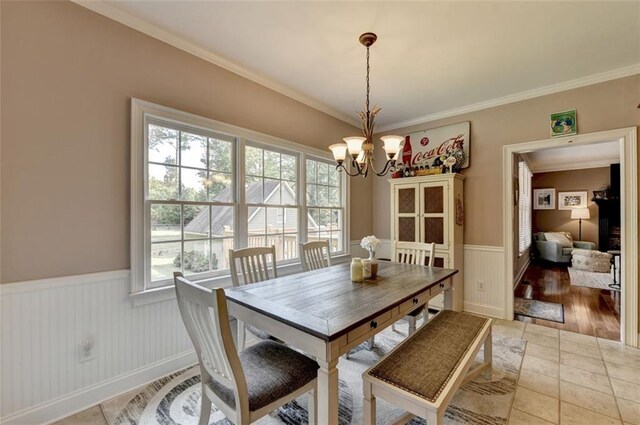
column 580, row 213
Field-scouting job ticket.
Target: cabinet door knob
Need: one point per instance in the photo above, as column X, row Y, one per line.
column 374, row 324
column 415, row 301
column 442, row 285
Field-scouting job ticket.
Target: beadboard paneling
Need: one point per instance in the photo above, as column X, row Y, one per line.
column 44, row 324
column 484, row 264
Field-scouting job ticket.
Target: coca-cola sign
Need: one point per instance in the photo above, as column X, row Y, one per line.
column 430, row 148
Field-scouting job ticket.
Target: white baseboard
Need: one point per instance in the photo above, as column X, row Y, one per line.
column 485, row 310
column 69, row 404
column 521, row 273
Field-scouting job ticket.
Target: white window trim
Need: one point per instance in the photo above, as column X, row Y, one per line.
column 141, row 109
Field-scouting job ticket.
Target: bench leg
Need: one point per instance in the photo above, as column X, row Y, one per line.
column 488, row 349
column 313, row 406
column 370, row 343
column 434, row 419
column 369, row 405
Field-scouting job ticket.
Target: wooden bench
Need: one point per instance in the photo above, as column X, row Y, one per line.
column 422, row 373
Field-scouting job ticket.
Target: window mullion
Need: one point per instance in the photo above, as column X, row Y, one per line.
column 303, row 216
column 242, row 211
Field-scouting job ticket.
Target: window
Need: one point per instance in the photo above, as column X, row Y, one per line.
column 324, row 203
column 271, row 181
column 524, row 207
column 201, row 187
column 190, row 200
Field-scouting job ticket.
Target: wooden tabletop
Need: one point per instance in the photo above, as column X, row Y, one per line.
column 326, row 304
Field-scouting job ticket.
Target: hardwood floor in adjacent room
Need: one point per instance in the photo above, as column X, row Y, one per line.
column 588, row 311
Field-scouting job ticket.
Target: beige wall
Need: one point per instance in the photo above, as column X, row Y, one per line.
column 67, row 78
column 600, row 107
column 570, row 181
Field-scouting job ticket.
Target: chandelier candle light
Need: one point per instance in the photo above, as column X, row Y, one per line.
column 360, row 149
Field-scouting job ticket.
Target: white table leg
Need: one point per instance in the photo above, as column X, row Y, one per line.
column 448, row 298
column 328, row 393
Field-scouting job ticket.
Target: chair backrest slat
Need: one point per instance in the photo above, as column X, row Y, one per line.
column 313, row 255
column 414, row 253
column 254, row 266
column 205, row 316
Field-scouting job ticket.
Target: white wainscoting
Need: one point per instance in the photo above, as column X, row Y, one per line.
column 484, row 264
column 43, row 326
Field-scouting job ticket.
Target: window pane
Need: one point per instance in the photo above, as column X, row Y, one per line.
column 222, row 221
column 193, row 150
column 290, row 247
column 220, row 187
column 165, row 223
column 253, row 161
column 194, row 184
column 196, row 221
column 220, row 155
column 323, row 173
column 336, row 219
column 220, row 253
column 253, row 190
column 323, row 195
column 274, row 217
column 334, row 197
column 195, row 258
column 163, row 144
column 289, row 167
column 290, row 220
column 289, row 195
column 271, row 164
column 334, row 177
column 272, row 192
column 165, row 259
column 312, row 220
column 311, row 171
column 256, row 222
column 336, row 240
column 163, row 182
column 312, row 194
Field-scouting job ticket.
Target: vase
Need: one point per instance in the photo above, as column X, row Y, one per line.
column 374, row 263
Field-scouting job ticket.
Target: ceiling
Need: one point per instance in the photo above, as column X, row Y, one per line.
column 574, row 157
column 431, row 58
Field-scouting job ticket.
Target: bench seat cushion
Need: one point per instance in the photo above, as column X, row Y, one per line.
column 272, row 371
column 424, row 364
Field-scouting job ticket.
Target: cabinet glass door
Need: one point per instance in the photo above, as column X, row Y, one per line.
column 406, row 213
column 434, row 214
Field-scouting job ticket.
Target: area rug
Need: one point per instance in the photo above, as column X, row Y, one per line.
column 591, row 279
column 539, row 309
column 486, row 400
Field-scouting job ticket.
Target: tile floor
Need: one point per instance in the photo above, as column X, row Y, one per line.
column 565, row 378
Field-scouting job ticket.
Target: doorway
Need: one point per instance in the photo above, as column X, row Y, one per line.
column 628, row 270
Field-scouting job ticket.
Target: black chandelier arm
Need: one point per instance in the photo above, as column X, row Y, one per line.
column 341, row 167
column 388, row 166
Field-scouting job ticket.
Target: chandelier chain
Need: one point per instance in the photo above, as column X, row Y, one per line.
column 368, row 68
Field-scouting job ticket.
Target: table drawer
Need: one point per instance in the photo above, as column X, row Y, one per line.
column 374, row 323
column 440, row 287
column 413, row 303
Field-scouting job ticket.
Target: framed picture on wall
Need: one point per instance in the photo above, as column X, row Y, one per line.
column 564, row 123
column 571, row 200
column 544, row 199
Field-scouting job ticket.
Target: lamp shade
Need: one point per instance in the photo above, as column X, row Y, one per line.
column 577, row 213
column 339, row 151
column 354, row 144
column 392, row 145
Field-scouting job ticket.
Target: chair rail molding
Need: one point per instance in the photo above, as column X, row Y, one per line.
column 627, row 138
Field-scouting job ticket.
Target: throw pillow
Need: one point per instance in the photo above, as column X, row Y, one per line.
column 559, row 238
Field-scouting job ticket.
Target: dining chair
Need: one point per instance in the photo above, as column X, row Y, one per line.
column 247, row 266
column 414, row 253
column 313, row 257
column 244, row 386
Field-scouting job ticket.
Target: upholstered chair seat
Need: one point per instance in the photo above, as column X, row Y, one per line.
column 272, row 371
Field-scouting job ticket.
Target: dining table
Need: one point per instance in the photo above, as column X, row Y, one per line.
column 325, row 314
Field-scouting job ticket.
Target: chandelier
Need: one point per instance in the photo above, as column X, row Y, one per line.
column 360, row 149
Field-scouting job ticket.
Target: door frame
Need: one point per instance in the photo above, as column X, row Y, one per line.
column 627, row 138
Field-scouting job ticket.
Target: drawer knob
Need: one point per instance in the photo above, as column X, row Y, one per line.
column 415, row 301
column 374, row 324
column 442, row 285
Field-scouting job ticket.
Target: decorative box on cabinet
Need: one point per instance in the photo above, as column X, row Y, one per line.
column 423, row 209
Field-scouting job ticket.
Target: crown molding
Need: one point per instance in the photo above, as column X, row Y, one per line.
column 112, row 12
column 517, row 97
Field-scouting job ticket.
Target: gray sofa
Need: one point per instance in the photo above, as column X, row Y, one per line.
column 554, row 252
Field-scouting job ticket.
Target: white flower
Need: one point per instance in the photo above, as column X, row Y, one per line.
column 370, row 243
